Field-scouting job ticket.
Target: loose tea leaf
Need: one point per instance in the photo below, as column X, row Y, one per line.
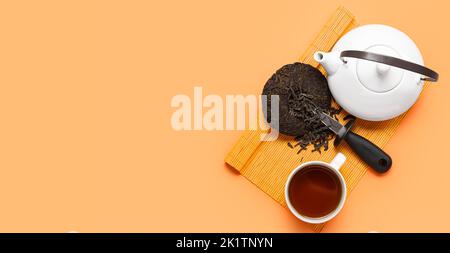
column 301, row 89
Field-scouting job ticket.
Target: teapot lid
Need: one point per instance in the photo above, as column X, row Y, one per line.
column 379, row 77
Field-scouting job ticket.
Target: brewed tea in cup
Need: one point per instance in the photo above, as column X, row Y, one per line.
column 315, row 191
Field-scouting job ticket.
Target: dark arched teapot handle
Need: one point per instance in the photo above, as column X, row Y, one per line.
column 429, row 75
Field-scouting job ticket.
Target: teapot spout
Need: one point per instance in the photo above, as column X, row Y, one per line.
column 329, row 61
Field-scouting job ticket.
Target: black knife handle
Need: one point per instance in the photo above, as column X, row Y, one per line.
column 369, row 152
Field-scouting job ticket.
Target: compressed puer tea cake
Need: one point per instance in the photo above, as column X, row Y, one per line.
column 289, row 82
column 301, row 89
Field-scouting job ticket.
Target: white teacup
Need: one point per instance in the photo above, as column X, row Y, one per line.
column 333, row 167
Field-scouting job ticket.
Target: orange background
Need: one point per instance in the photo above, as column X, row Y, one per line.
column 86, row 142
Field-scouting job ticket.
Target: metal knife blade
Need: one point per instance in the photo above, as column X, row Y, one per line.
column 331, row 123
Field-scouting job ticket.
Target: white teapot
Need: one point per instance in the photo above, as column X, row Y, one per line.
column 375, row 72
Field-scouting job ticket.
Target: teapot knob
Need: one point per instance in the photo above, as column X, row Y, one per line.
column 382, row 69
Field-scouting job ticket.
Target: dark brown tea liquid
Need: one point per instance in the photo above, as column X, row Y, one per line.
column 315, row 191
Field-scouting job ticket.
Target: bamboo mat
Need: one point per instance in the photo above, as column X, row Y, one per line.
column 268, row 164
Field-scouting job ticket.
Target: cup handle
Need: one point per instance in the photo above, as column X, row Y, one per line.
column 338, row 160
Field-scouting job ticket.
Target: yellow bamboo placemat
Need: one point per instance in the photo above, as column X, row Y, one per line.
column 268, row 164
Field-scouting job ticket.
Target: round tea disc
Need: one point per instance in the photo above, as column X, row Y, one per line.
column 289, row 80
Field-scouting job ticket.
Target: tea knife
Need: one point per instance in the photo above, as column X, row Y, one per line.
column 370, row 153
